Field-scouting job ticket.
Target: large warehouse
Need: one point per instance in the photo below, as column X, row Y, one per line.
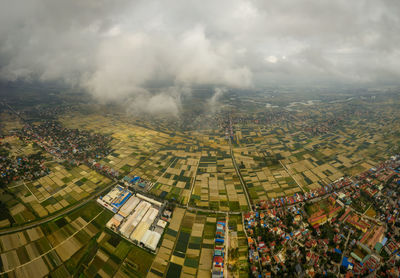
column 136, row 218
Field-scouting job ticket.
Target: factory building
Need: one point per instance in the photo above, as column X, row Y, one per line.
column 152, row 201
column 134, row 219
column 129, row 206
column 144, row 225
column 150, row 240
column 114, row 222
column 137, row 217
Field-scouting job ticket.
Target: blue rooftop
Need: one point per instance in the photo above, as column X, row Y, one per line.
column 123, row 200
column 338, row 251
column 346, row 263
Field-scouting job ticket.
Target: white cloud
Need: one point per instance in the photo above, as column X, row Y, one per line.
column 271, row 59
column 118, row 49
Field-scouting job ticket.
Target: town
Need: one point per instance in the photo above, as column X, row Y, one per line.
column 351, row 229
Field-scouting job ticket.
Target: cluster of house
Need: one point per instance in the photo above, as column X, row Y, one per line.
column 338, row 237
column 73, row 145
column 378, row 245
column 137, row 218
column 26, row 167
column 321, row 216
column 219, row 253
column 386, row 197
column 138, row 181
column 302, row 197
column 268, row 236
column 280, row 241
column 104, row 169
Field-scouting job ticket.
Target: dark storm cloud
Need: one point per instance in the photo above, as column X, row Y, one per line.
column 117, row 49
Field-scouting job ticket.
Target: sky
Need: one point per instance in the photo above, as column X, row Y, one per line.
column 119, row 50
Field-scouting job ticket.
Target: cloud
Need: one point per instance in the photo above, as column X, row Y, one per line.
column 213, row 102
column 200, row 61
column 165, row 103
column 120, row 50
column 271, row 59
column 126, row 62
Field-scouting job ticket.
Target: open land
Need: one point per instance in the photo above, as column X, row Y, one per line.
column 247, row 158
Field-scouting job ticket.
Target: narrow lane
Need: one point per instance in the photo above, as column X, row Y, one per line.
column 193, row 182
column 246, row 193
column 287, row 171
column 226, row 259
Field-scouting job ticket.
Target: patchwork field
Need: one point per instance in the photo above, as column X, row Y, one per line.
column 217, row 185
column 276, row 159
column 60, row 189
column 9, row 122
column 19, row 147
column 49, row 248
column 265, row 181
column 183, row 169
column 187, row 247
column 238, row 248
column 176, row 180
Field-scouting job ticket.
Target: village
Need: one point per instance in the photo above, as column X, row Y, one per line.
column 351, row 229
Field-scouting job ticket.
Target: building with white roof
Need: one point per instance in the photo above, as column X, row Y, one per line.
column 150, row 239
column 114, row 222
column 134, row 219
column 144, row 225
column 129, row 206
column 114, row 193
column 161, row 223
column 154, row 202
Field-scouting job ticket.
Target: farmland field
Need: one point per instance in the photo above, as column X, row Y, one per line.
column 51, row 246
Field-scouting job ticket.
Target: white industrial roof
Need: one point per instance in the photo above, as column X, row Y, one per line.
column 151, row 239
column 129, row 206
column 162, row 223
column 149, row 200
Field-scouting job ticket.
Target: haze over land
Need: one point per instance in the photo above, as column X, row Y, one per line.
column 211, row 139
column 149, row 55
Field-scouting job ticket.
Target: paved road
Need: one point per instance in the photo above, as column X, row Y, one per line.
column 344, row 249
column 193, row 182
column 287, row 171
column 240, row 176
column 59, row 214
column 226, row 259
column 211, row 211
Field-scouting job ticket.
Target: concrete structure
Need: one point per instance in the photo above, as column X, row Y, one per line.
column 137, row 219
column 150, row 239
column 317, row 220
column 134, row 219
column 152, row 201
column 114, row 222
column 112, row 195
column 161, row 223
column 115, row 199
column 107, row 206
column 144, row 225
column 129, row 206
